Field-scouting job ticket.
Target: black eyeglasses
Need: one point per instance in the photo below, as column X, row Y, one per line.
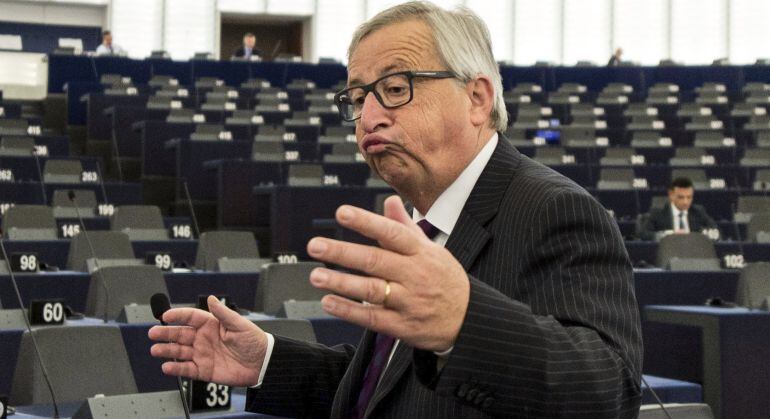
column 392, row 91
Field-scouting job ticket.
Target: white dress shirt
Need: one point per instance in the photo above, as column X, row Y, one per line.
column 109, row 50
column 443, row 214
column 675, row 214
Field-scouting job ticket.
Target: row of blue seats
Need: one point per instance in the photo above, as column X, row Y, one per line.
column 293, row 214
column 179, row 228
column 116, row 193
column 25, row 168
column 68, row 68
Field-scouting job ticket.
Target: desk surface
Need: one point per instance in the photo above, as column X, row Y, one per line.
column 733, row 346
column 652, row 310
column 67, row 410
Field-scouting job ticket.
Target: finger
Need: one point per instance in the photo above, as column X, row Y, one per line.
column 372, row 260
column 392, row 235
column 192, row 317
column 377, row 318
column 183, row 369
column 172, row 351
column 180, row 334
column 394, row 209
column 356, row 287
column 228, row 318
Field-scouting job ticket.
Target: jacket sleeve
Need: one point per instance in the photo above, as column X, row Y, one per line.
column 301, row 379
column 573, row 348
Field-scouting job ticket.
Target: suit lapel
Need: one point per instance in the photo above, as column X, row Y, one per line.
column 470, row 234
column 402, row 358
column 465, row 243
column 347, row 392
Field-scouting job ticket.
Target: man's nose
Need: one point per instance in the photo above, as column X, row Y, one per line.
column 373, row 114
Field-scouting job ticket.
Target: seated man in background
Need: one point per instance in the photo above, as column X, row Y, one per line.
column 248, row 49
column 615, row 59
column 679, row 216
column 107, row 47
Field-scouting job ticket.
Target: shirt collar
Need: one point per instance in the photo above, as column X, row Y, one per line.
column 676, row 211
column 443, row 214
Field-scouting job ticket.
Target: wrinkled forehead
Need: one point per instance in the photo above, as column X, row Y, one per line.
column 401, row 46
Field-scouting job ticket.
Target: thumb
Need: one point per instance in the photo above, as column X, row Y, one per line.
column 228, row 318
column 394, row 209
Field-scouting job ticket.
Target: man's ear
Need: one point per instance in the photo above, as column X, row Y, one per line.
column 481, row 93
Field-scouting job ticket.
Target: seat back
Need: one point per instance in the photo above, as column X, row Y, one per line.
column 114, row 287
column 62, row 171
column 29, row 222
column 140, row 222
column 107, row 245
column 750, row 205
column 616, row 179
column 306, row 175
column 81, row 361
column 283, row 282
column 214, row 245
column 63, row 207
column 754, row 284
column 758, row 223
column 658, row 201
column 267, row 151
column 756, row 157
column 684, row 246
column 297, row 329
column 762, row 180
column 549, row 153
column 16, row 146
column 85, row 198
column 697, row 176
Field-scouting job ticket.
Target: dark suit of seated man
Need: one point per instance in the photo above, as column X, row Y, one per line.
column 248, row 50
column 678, row 216
column 507, row 292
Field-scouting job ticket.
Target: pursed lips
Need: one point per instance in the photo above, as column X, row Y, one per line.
column 374, row 143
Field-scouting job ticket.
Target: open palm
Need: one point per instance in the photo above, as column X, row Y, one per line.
column 218, row 346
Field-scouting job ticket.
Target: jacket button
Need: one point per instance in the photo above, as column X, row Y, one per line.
column 488, row 403
column 462, row 390
column 472, row 394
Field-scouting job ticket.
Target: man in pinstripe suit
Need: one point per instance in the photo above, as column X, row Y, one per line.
column 506, row 292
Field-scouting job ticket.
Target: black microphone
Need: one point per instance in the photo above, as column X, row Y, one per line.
column 39, row 357
column 194, row 219
column 73, row 198
column 734, row 209
column 737, row 230
column 101, row 183
column 274, row 53
column 160, row 304
column 40, row 176
column 114, row 139
column 192, row 210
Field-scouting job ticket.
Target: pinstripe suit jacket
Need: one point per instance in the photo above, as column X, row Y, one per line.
column 552, row 327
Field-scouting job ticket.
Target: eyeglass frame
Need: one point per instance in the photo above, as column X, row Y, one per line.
column 370, row 88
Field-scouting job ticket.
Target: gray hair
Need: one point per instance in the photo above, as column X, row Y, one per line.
column 462, row 42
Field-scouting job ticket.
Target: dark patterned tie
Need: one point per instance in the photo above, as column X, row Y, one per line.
column 383, row 345
column 681, row 220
